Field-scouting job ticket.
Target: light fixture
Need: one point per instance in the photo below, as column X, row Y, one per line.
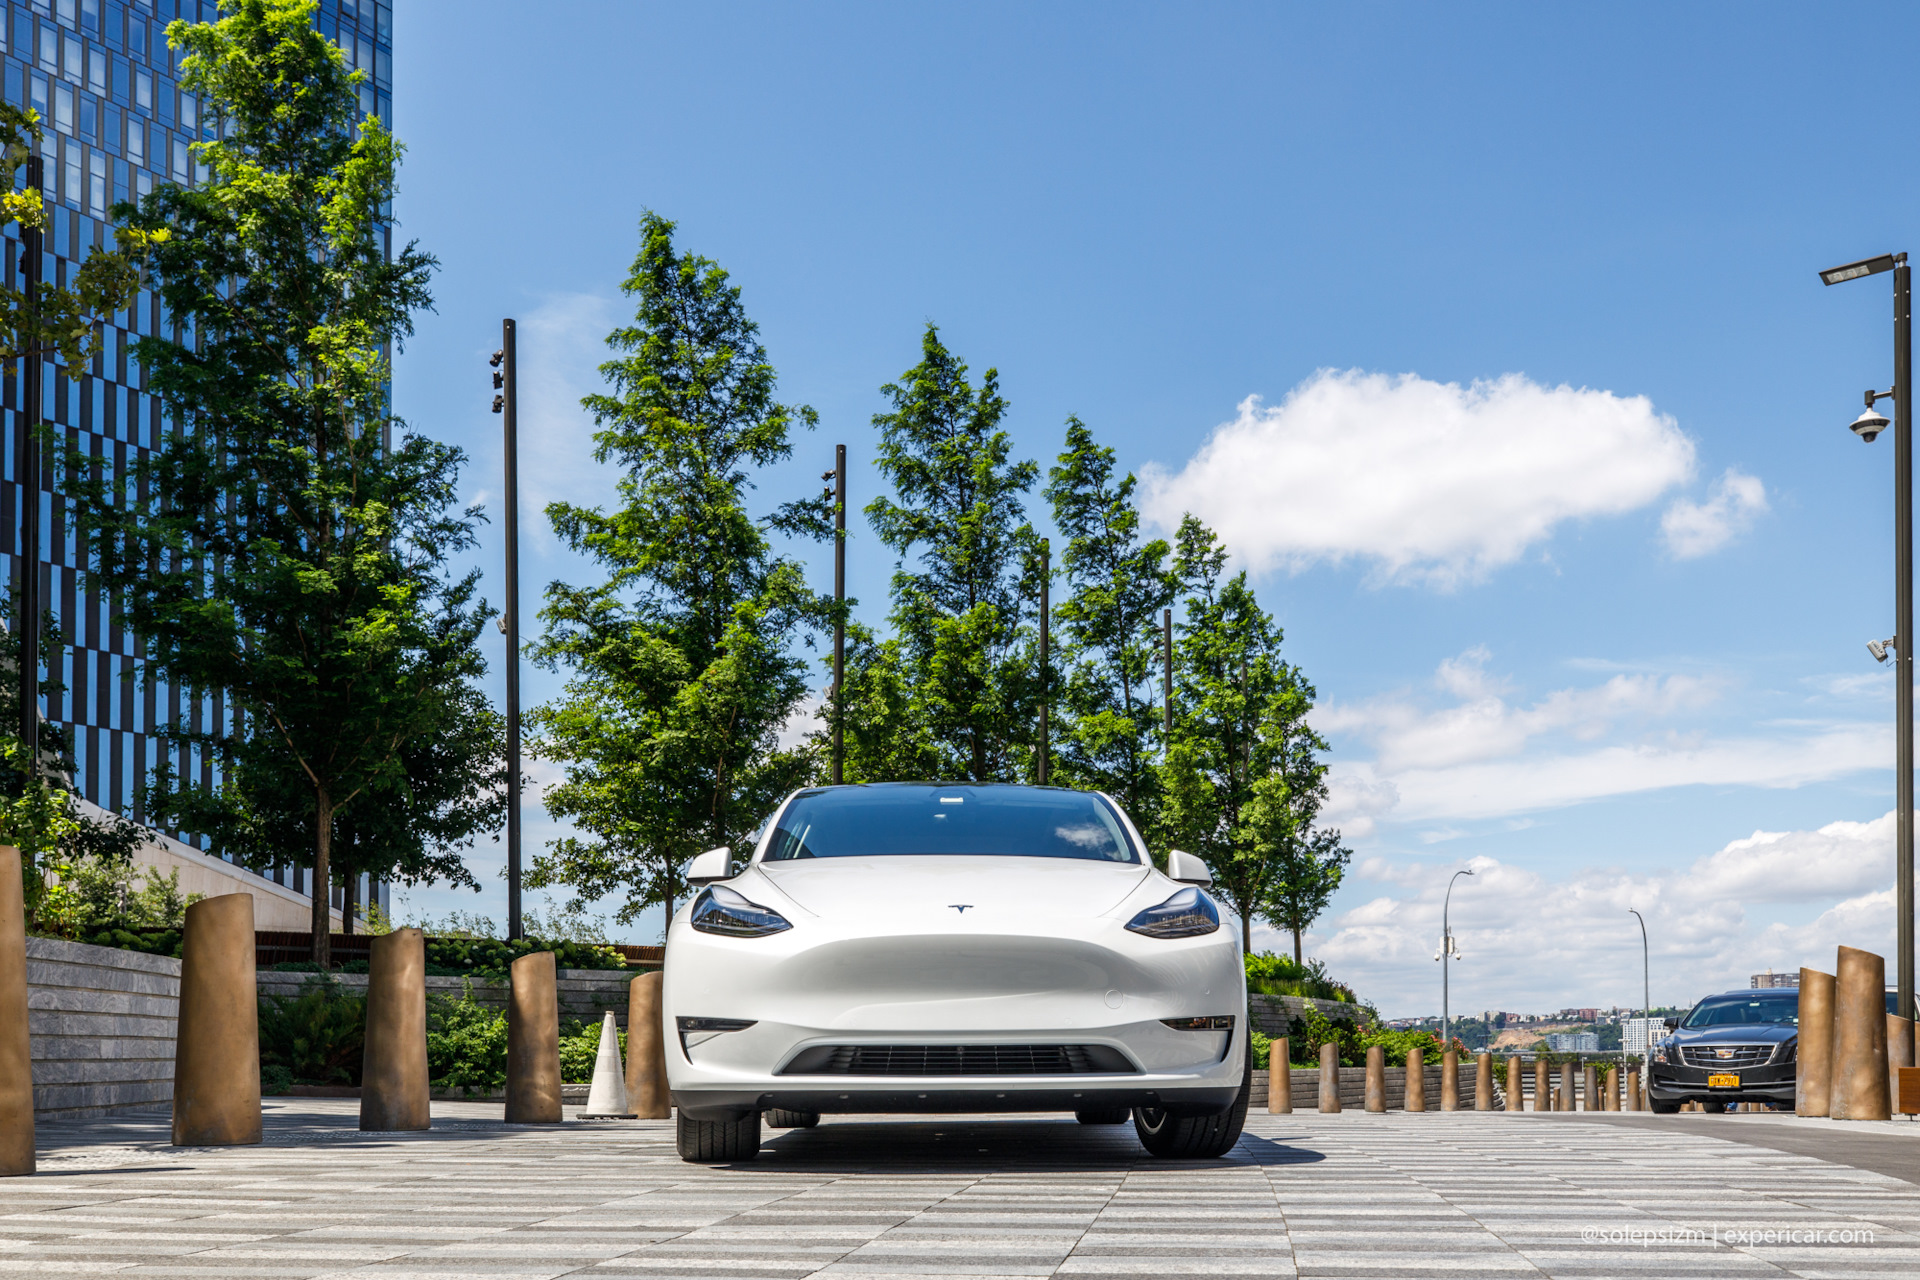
column 1854, row 270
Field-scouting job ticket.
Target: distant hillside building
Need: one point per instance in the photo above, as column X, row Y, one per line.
column 1638, row 1034
column 1574, row 1042
column 1772, row 979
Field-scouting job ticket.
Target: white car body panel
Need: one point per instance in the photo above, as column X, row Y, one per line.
column 881, row 953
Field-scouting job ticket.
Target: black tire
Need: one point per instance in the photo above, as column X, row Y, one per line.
column 717, row 1141
column 1197, row 1137
column 1103, row 1115
column 781, row 1118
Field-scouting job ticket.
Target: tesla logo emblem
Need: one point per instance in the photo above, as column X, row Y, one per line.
column 961, row 907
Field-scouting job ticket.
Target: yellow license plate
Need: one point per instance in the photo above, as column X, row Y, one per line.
column 1723, row 1081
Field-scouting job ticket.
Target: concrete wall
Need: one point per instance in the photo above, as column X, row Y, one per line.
column 101, row 1024
column 583, row 993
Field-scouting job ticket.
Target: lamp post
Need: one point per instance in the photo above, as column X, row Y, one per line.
column 839, row 495
column 1446, row 958
column 27, row 467
column 1867, row 426
column 506, row 403
column 1646, row 980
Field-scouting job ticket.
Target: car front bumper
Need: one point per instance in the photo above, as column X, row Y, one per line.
column 1673, row 1082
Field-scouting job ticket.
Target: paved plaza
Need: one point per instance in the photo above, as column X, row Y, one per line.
column 1348, row 1195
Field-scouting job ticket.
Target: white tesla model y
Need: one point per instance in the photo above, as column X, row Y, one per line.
column 917, row 947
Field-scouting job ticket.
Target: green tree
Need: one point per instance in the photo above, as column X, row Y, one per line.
column 680, row 674
column 284, row 548
column 1242, row 778
column 884, row 738
column 1118, row 583
column 961, row 610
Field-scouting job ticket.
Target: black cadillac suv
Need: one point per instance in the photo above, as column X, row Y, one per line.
column 1737, row 1047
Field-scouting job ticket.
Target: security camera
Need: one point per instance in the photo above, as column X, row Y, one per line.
column 1879, row 648
column 1870, row 424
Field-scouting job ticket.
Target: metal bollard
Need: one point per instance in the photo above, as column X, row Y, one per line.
column 1450, row 1080
column 1899, row 1054
column 216, row 1054
column 1279, row 1078
column 1414, row 1096
column 1376, row 1079
column 1590, row 1087
column 1516, row 1097
column 647, row 1095
column 1329, row 1077
column 1633, row 1089
column 394, row 1095
column 1483, row 1082
column 1859, row 1089
column 533, row 1041
column 1566, row 1087
column 16, row 1057
column 1542, row 1091
column 1610, row 1095
column 1813, row 1074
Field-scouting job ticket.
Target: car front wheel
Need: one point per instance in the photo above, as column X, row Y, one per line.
column 717, row 1141
column 1197, row 1137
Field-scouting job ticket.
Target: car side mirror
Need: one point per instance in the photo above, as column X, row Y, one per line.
column 714, row 864
column 1673, row 1024
column 1187, row 869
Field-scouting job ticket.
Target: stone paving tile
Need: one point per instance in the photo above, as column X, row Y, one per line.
column 1349, row 1196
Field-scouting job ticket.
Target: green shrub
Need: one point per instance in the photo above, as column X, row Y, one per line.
column 274, row 1079
column 579, row 1047
column 466, row 1044
column 318, row 1035
column 1273, row 975
column 490, row 957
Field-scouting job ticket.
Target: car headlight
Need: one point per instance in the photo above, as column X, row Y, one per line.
column 1660, row 1052
column 720, row 910
column 1187, row 914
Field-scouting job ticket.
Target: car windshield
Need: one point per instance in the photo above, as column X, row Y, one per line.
column 1746, row 1011
column 917, row 818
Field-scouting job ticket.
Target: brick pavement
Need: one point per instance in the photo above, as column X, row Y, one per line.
column 1350, row 1195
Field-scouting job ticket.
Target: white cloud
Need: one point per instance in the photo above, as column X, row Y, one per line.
column 562, row 345
column 1534, row 944
column 1695, row 528
column 1428, row 481
column 1488, row 755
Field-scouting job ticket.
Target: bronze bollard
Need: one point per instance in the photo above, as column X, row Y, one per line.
column 1633, row 1089
column 216, row 1052
column 1813, row 1075
column 1483, row 1082
column 1376, row 1079
column 1516, row 1098
column 1279, row 1078
column 1542, row 1091
column 1415, row 1094
column 1566, row 1087
column 1450, row 1079
column 393, row 1073
column 533, row 1041
column 1590, row 1087
column 1859, row 1088
column 1610, row 1095
column 16, row 1058
column 646, row 1050
column 1329, row 1077
column 1899, row 1054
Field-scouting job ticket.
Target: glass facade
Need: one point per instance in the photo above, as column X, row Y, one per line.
column 105, row 84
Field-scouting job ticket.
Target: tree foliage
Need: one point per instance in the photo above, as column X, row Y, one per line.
column 284, row 547
column 680, row 671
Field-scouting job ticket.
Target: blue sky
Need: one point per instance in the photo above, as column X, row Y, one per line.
column 1547, row 479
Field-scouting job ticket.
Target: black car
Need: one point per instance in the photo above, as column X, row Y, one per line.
column 1737, row 1047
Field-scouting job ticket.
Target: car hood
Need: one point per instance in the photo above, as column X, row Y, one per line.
column 996, row 892
column 1748, row 1033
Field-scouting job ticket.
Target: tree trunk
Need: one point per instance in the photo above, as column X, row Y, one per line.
column 322, row 879
column 1246, row 933
column 1296, row 947
column 349, row 899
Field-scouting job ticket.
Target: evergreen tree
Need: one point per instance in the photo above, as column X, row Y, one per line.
column 1242, row 780
column 282, row 550
column 964, row 588
column 1110, row 622
column 680, row 674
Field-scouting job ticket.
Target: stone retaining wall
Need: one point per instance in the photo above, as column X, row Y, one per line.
column 1353, row 1088
column 101, row 1024
column 583, row 993
column 1270, row 1014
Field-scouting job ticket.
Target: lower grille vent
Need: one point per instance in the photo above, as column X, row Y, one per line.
column 959, row 1060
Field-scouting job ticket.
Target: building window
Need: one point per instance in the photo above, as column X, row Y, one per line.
column 179, row 173
column 49, row 49
column 63, row 108
column 137, row 143
column 38, row 84
column 97, row 70
column 75, row 66
column 89, row 118
column 97, row 184
column 143, row 88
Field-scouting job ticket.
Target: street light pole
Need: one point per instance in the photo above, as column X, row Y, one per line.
column 839, row 477
column 27, row 472
column 1902, row 394
column 1046, row 575
column 1446, row 959
column 506, row 404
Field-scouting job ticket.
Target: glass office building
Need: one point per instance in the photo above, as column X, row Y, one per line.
column 116, row 123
